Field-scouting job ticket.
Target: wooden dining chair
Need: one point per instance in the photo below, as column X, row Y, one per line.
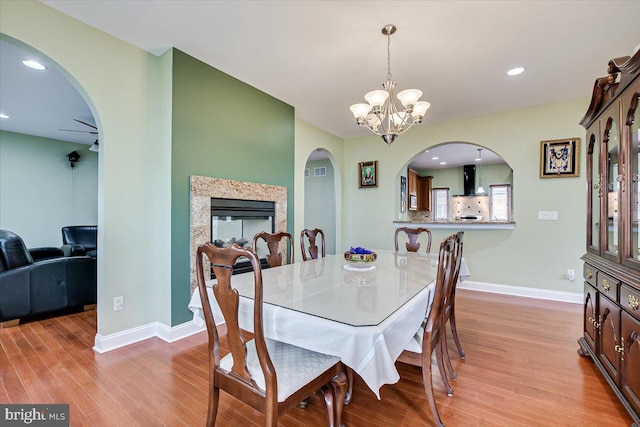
column 432, row 331
column 412, row 234
column 274, row 258
column 448, row 311
column 268, row 375
column 310, row 236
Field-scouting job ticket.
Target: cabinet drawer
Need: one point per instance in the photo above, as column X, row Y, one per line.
column 608, row 285
column 589, row 274
column 630, row 300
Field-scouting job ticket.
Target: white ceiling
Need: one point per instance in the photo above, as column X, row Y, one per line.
column 40, row 103
column 322, row 56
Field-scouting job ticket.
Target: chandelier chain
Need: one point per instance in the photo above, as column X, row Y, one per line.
column 388, row 56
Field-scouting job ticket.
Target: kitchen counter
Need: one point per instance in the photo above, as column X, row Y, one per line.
column 459, row 225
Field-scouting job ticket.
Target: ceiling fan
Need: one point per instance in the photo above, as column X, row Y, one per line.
column 95, row 147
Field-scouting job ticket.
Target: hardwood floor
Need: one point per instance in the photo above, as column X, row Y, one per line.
column 521, row 369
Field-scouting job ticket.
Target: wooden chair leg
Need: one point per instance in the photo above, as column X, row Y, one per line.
column 428, row 388
column 339, row 386
column 329, row 400
column 447, row 358
column 441, row 368
column 349, row 392
column 454, row 331
column 212, row 411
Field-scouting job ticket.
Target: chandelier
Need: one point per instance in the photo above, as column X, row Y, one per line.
column 381, row 115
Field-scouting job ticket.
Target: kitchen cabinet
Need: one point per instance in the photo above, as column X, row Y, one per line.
column 611, row 315
column 418, row 191
column 424, row 193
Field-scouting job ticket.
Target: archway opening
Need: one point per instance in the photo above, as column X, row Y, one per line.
column 49, row 163
column 456, row 181
column 320, row 196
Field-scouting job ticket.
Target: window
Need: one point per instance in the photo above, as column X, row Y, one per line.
column 307, row 173
column 500, row 202
column 320, row 171
column 441, row 200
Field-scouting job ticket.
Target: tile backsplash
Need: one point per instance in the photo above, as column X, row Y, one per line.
column 470, row 205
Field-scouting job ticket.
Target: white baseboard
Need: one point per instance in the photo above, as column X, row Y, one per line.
column 521, row 291
column 179, row 332
column 105, row 343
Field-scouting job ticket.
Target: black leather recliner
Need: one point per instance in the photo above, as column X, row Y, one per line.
column 29, row 288
column 80, row 240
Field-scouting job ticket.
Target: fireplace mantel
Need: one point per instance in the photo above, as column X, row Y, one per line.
column 203, row 188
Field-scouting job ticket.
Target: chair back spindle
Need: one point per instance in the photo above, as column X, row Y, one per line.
column 273, row 241
column 311, row 236
column 412, row 234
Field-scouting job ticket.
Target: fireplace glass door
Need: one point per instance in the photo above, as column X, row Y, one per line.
column 237, row 221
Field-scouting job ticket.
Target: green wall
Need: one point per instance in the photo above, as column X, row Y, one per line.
column 452, row 177
column 221, row 128
column 39, row 191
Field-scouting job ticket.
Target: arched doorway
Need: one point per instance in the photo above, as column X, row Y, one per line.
column 320, row 196
column 48, row 120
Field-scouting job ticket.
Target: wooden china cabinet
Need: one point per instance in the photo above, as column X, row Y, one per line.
column 612, row 262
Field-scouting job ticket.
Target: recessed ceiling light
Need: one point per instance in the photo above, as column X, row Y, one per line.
column 3, row 116
column 516, row 71
column 34, row 64
column 435, row 158
column 443, row 163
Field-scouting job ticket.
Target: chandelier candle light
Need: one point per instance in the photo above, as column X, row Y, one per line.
column 380, row 115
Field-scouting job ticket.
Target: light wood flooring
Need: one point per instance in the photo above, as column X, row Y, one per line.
column 521, row 369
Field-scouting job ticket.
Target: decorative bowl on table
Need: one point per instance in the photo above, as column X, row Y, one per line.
column 360, row 257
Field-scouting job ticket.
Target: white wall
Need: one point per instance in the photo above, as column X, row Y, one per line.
column 39, row 191
column 537, row 253
column 320, row 203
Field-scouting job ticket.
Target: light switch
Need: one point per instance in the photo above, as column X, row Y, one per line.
column 548, row 215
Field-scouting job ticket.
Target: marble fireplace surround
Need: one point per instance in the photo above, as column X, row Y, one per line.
column 203, row 188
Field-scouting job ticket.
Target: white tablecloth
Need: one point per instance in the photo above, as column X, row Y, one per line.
column 371, row 351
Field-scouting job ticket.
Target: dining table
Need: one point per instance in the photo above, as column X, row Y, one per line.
column 365, row 314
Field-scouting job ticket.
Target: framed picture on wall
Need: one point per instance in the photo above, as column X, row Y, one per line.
column 368, row 173
column 560, row 158
column 403, row 194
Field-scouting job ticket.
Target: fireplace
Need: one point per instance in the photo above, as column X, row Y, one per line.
column 203, row 189
column 237, row 221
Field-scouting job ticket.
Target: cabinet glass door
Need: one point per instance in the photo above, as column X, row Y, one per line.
column 612, row 141
column 595, row 190
column 634, row 141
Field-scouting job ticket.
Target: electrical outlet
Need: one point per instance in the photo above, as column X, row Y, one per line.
column 571, row 274
column 118, row 303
